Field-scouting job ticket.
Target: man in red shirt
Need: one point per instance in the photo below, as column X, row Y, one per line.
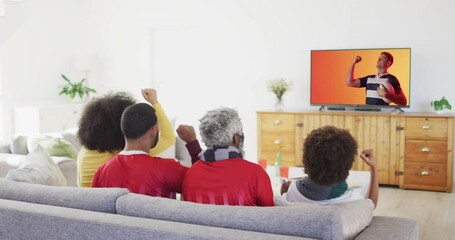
column 133, row 168
column 222, row 176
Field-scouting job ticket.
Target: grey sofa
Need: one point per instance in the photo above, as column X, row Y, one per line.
column 67, row 165
column 13, row 152
column 31, row 211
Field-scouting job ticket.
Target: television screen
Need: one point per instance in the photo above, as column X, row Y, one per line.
column 372, row 83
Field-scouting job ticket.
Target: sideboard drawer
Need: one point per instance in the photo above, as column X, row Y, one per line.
column 278, row 142
column 426, row 128
column 430, row 174
column 278, row 122
column 426, row 151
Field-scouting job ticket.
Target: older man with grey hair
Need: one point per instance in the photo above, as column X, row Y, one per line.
column 222, row 176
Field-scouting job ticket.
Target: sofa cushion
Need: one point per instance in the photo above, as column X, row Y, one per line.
column 5, row 147
column 70, row 135
column 382, row 227
column 38, row 167
column 318, row 222
column 9, row 161
column 53, row 145
column 355, row 215
column 94, row 199
column 68, row 166
column 19, row 145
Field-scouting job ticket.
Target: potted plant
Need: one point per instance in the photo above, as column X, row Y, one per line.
column 441, row 105
column 279, row 87
column 73, row 89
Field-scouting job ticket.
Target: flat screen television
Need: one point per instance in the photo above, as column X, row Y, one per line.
column 329, row 73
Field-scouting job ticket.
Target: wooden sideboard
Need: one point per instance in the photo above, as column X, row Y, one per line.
column 413, row 150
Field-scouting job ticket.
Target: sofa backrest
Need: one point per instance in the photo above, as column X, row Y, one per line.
column 318, row 222
column 93, row 199
column 21, row 220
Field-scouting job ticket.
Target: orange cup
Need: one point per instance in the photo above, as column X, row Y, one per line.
column 263, row 163
column 284, row 171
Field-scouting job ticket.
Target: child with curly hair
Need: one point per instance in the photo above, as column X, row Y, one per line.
column 329, row 153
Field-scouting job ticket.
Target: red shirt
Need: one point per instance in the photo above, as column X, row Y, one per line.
column 228, row 182
column 141, row 173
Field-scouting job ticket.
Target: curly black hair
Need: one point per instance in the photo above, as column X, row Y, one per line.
column 99, row 126
column 328, row 154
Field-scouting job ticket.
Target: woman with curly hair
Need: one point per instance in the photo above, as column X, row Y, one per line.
column 328, row 156
column 101, row 136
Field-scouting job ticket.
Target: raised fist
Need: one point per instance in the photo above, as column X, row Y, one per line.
column 357, row 59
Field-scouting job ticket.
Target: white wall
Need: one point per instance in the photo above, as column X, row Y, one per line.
column 16, row 13
column 34, row 56
column 199, row 55
column 202, row 54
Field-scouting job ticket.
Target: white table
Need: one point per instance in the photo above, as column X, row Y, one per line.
column 359, row 181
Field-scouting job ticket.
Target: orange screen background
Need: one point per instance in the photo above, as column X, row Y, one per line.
column 329, row 69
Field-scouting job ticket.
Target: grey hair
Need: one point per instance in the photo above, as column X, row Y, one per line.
column 218, row 126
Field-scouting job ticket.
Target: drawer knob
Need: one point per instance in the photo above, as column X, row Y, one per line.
column 425, row 149
column 425, row 173
column 277, row 122
column 277, row 142
column 426, row 127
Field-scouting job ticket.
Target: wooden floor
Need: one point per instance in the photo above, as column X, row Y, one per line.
column 434, row 211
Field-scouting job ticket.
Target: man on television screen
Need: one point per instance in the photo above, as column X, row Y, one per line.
column 382, row 88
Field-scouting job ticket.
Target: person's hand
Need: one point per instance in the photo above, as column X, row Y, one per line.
column 285, row 186
column 186, row 133
column 150, row 95
column 381, row 91
column 368, row 157
column 357, row 59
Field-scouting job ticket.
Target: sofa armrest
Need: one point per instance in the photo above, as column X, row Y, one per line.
column 392, row 228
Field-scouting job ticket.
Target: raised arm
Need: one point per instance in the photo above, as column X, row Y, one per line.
column 350, row 80
column 166, row 138
column 188, row 135
column 369, row 158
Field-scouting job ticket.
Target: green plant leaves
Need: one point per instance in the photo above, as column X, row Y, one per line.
column 439, row 105
column 72, row 89
column 65, row 78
